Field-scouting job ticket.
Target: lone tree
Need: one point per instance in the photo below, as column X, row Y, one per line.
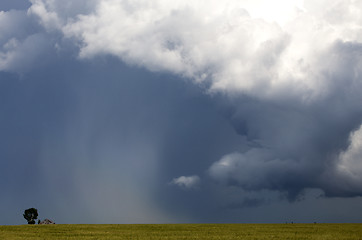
column 30, row 215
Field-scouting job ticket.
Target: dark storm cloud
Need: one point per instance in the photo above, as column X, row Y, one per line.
column 112, row 109
column 299, row 143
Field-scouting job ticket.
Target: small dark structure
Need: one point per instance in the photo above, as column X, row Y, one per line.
column 46, row 221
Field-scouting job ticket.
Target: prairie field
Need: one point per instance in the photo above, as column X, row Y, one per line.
column 184, row 231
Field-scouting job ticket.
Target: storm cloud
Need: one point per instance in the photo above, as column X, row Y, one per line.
column 261, row 100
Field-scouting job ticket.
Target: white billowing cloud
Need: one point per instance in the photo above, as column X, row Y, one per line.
column 349, row 166
column 20, row 46
column 21, row 55
column 53, row 14
column 263, row 48
column 48, row 18
column 187, row 182
column 11, row 31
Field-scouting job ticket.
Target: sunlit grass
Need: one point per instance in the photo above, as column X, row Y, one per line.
column 185, row 231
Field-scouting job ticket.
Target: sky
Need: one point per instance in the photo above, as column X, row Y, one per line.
column 134, row 111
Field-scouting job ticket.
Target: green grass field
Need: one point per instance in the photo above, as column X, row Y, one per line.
column 185, row 231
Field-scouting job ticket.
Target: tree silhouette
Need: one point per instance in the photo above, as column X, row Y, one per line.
column 30, row 215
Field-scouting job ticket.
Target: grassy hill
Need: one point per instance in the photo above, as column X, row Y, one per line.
column 185, row 231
